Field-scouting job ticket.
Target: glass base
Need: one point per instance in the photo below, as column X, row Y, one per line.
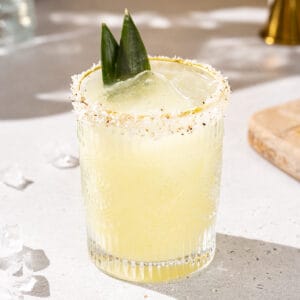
column 137, row 271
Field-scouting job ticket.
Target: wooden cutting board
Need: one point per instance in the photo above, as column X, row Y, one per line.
column 275, row 134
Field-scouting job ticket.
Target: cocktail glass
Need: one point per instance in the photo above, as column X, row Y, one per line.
column 151, row 181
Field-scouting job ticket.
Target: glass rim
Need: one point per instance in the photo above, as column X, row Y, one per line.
column 220, row 95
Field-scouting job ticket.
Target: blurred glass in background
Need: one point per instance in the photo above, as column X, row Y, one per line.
column 17, row 21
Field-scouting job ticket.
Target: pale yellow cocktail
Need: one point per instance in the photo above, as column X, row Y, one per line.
column 150, row 155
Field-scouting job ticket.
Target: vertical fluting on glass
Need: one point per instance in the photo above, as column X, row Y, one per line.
column 151, row 201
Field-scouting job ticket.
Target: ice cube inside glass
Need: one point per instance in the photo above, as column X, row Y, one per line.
column 150, row 157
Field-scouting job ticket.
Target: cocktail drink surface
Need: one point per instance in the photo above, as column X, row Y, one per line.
column 150, row 155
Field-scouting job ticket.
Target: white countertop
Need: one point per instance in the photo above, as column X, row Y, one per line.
column 258, row 242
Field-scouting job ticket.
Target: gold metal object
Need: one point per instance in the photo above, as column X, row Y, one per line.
column 283, row 26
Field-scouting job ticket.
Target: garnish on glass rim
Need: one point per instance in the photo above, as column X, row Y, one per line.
column 120, row 62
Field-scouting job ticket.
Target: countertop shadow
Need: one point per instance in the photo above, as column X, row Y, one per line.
column 242, row 269
column 36, row 260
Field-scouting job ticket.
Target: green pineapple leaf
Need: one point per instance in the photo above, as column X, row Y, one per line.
column 132, row 56
column 109, row 54
column 128, row 59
